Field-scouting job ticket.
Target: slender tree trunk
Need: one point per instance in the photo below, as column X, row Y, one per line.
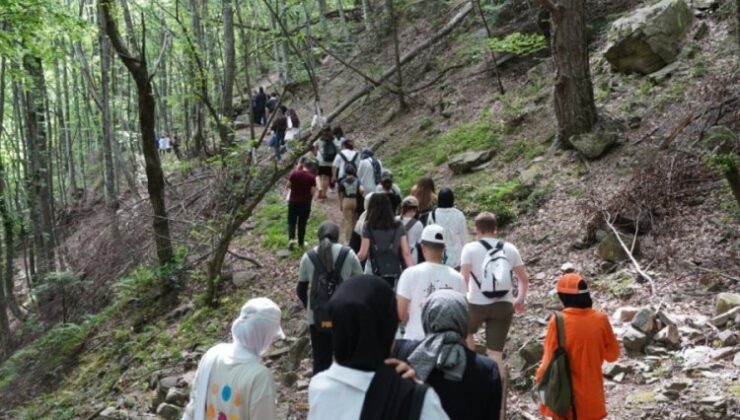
column 322, row 19
column 137, row 66
column 573, row 93
column 111, row 196
column 6, row 337
column 245, row 40
column 71, row 173
column 343, row 20
column 393, row 27
column 227, row 95
column 367, row 16
column 491, row 52
column 198, row 112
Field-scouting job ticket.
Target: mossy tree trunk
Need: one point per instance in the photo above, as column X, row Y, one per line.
column 573, row 92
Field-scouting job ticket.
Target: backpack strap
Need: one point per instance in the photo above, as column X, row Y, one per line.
column 560, row 327
column 410, row 224
column 486, row 245
column 432, row 218
column 500, row 246
column 417, row 401
column 318, row 266
column 339, row 263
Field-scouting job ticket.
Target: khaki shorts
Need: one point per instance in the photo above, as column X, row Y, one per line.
column 497, row 317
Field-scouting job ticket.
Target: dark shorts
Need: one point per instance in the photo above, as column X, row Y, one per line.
column 325, row 170
column 497, row 317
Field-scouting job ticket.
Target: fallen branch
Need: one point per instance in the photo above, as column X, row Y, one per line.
column 526, row 415
column 640, row 271
column 689, row 264
column 245, row 258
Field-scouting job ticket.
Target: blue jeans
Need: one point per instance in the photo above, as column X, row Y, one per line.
column 276, row 142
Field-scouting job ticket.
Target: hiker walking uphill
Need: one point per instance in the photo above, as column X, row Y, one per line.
column 487, row 267
column 369, row 170
column 279, row 127
column 418, row 282
column 468, row 383
column 425, row 192
column 260, row 102
column 231, row 381
column 302, row 187
column 363, row 383
column 384, row 247
column 350, row 193
column 326, row 150
column 413, row 227
column 589, row 342
column 388, row 187
column 453, row 221
column 347, row 156
column 322, row 270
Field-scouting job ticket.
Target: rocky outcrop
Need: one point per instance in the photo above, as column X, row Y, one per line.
column 466, row 162
column 648, row 39
column 611, row 250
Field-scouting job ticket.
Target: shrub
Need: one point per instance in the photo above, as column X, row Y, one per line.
column 518, row 43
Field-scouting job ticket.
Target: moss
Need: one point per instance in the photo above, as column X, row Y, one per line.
column 506, row 199
column 271, row 217
column 641, row 397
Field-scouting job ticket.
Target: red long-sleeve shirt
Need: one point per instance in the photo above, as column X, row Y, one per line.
column 589, row 341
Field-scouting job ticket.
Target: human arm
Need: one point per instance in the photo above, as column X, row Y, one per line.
column 364, row 249
column 302, row 292
column 303, row 280
column 611, row 345
column 402, row 368
column 465, row 270
column 263, row 397
column 403, row 308
column 551, row 343
column 355, row 266
column 406, row 252
column 523, row 282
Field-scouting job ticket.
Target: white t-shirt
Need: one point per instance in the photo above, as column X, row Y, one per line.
column 164, row 143
column 413, row 236
column 453, row 220
column 319, row 146
column 366, row 175
column 420, row 281
column 474, row 253
column 317, row 121
column 339, row 162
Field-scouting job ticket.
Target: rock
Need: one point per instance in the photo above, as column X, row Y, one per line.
column 283, row 253
column 736, row 360
column 243, row 278
column 644, row 321
column 181, row 310
column 721, row 320
column 177, row 396
column 542, row 70
column 611, row 370
column 289, row 379
column 723, row 353
column 568, row 268
column 634, row 340
column 725, row 302
column 169, row 411
column 611, row 250
column 661, row 75
column 594, row 144
column 701, row 32
column 696, row 357
column 540, row 276
column 727, row 338
column 532, row 352
column 298, row 352
column 656, row 351
column 278, row 353
column 669, row 336
column 626, row 313
column 619, row 377
column 465, row 162
column 705, row 4
column 648, row 39
column 530, row 176
column 666, row 319
column 111, row 413
column 679, row 385
column 163, row 387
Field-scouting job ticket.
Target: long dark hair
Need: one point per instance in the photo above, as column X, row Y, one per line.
column 424, row 191
column 582, row 301
column 380, row 213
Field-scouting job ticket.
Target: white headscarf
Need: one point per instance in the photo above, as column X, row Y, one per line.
column 257, row 326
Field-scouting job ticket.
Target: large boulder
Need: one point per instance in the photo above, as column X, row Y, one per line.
column 634, row 340
column 593, row 145
column 725, row 302
column 611, row 250
column 649, row 38
column 466, row 162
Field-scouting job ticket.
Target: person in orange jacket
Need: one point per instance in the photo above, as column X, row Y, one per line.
column 589, row 341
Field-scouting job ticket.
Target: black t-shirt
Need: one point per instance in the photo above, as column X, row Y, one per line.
column 476, row 397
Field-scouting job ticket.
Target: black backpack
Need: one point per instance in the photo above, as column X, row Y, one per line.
column 349, row 163
column 323, row 285
column 376, row 169
column 385, row 261
column 329, row 150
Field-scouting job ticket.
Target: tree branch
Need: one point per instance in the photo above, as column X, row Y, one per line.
column 133, row 63
column 160, row 57
column 607, row 218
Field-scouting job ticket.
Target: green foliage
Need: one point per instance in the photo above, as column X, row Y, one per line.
column 425, row 123
column 504, row 199
column 272, row 223
column 518, row 43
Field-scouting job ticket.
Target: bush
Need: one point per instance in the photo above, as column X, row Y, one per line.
column 518, row 43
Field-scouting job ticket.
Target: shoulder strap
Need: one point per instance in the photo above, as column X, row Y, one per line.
column 411, row 223
column 339, row 263
column 344, row 158
column 318, row 266
column 417, row 401
column 499, row 246
column 560, row 327
column 486, row 245
column 433, row 217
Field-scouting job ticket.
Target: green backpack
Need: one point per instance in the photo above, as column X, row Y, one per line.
column 554, row 388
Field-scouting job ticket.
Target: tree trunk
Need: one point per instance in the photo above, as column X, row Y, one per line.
column 111, row 196
column 573, row 93
column 322, row 19
column 343, row 20
column 491, row 52
column 41, row 195
column 137, row 66
column 198, row 112
column 245, row 40
column 367, row 16
column 227, row 95
column 393, row 27
column 71, row 173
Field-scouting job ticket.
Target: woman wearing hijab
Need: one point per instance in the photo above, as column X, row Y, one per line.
column 456, row 228
column 231, row 381
column 327, row 253
column 361, row 383
column 589, row 342
column 468, row 384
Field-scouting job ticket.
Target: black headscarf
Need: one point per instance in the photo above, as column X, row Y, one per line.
column 365, row 319
column 445, row 198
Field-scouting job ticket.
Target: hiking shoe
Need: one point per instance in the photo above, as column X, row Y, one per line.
column 291, row 244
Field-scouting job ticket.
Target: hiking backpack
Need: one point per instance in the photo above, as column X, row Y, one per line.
column 349, row 162
column 328, row 151
column 497, row 272
column 376, row 169
column 351, row 188
column 323, row 285
column 386, row 263
column 554, row 388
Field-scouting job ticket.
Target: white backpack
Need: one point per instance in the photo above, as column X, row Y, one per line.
column 497, row 272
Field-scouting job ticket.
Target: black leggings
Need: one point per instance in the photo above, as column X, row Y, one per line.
column 298, row 214
column 321, row 347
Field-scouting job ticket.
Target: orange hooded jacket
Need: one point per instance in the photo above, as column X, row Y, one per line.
column 589, row 341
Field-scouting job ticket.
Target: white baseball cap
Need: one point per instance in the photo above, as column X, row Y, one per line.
column 433, row 234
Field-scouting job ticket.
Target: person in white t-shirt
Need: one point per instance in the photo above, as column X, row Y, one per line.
column 420, row 281
column 409, row 211
column 347, row 155
column 495, row 313
column 453, row 220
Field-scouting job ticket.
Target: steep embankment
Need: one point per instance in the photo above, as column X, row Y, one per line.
column 131, row 357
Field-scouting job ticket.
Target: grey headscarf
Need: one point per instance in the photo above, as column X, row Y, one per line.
column 445, row 321
column 328, row 235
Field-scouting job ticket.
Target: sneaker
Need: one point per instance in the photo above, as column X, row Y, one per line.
column 291, row 244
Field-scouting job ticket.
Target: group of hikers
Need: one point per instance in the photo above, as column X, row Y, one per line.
column 394, row 307
column 167, row 143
